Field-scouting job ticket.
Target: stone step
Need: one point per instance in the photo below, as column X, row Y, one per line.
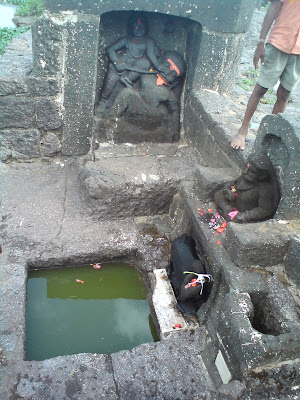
column 131, row 180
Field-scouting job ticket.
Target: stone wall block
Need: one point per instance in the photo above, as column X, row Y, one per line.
column 42, row 86
column 24, row 142
column 209, row 126
column 292, row 260
column 80, row 84
column 209, row 13
column 217, row 62
column 260, row 243
column 48, row 115
column 209, row 180
column 17, row 113
column 9, row 85
column 47, row 48
column 52, row 144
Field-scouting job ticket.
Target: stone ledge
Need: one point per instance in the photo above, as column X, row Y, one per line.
column 261, row 243
column 209, row 180
column 135, row 183
column 216, row 122
column 183, row 212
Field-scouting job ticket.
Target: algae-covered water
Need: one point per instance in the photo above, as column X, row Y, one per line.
column 105, row 314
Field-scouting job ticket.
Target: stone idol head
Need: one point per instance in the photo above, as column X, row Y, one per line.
column 259, row 168
column 138, row 25
column 171, row 66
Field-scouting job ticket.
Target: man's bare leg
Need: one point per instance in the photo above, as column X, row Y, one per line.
column 238, row 142
column 283, row 96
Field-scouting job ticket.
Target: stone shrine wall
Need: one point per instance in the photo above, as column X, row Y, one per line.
column 68, row 44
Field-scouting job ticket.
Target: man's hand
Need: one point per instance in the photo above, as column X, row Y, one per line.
column 259, row 54
column 271, row 15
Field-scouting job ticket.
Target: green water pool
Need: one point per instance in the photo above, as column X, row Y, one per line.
column 105, row 314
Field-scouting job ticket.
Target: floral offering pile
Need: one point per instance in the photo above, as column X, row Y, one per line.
column 214, row 220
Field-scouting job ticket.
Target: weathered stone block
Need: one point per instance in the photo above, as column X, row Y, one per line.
column 210, row 126
column 136, row 179
column 24, row 142
column 277, row 314
column 48, row 115
column 80, row 87
column 209, row 180
column 47, row 47
column 42, row 86
column 292, row 260
column 17, row 113
column 261, row 243
column 216, row 66
column 209, row 13
column 9, row 85
column 120, row 187
column 246, row 346
column 52, row 144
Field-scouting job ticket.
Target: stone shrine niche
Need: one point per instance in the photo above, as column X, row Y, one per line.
column 279, row 139
column 144, row 61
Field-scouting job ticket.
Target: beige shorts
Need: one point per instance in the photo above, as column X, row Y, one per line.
column 279, row 65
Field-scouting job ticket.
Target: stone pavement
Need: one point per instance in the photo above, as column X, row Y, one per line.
column 45, row 223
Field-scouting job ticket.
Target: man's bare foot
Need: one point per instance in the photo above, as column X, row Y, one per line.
column 238, row 142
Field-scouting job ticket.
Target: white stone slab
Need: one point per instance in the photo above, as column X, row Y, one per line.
column 222, row 368
column 165, row 305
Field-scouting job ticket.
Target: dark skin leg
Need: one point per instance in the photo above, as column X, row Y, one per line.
column 238, row 142
column 283, row 96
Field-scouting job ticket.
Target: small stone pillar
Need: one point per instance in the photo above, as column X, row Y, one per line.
column 65, row 46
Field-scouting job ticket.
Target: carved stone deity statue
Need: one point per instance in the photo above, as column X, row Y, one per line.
column 254, row 196
column 140, row 97
column 127, row 57
column 156, row 104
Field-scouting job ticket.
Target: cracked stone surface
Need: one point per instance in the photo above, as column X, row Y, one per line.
column 137, row 179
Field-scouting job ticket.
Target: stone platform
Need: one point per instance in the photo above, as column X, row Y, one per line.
column 130, row 180
column 45, row 223
column 53, row 214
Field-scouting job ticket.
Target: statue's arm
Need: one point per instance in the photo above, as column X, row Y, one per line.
column 150, row 52
column 223, row 201
column 111, row 50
